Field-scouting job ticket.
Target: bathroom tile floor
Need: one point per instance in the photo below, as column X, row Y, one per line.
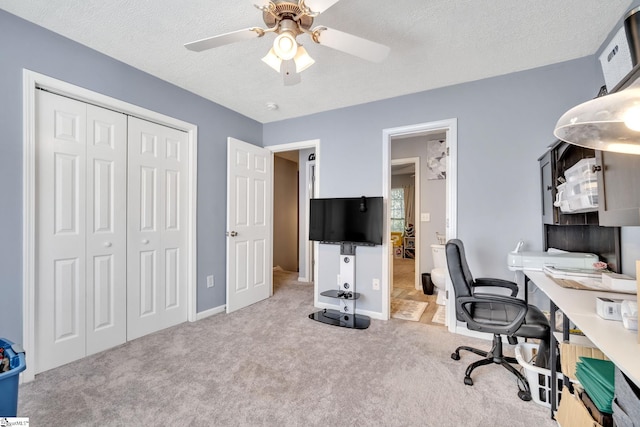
column 404, row 288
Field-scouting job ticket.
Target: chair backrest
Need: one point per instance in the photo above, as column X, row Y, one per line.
column 459, row 272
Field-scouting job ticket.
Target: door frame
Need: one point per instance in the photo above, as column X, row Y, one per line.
column 416, row 226
column 450, row 126
column 31, row 81
column 310, row 173
column 301, row 145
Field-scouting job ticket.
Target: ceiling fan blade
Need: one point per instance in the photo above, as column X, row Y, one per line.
column 354, row 45
column 289, row 74
column 222, row 39
column 319, row 6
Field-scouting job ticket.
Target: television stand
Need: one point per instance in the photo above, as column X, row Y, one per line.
column 346, row 317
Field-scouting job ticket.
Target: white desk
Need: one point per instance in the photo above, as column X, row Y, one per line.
column 619, row 344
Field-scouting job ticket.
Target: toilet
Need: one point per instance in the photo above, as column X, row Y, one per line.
column 439, row 272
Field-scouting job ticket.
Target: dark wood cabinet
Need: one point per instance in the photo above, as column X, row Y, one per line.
column 619, row 179
column 553, row 164
column 548, row 193
column 618, row 188
column 579, row 232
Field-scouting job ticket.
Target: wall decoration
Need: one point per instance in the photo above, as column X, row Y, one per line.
column 436, row 159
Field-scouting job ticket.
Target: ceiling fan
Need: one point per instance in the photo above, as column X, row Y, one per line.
column 289, row 19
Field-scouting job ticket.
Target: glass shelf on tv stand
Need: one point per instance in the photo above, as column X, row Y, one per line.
column 337, row 318
column 337, row 293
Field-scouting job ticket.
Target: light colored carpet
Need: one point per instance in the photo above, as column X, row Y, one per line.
column 270, row 365
column 440, row 314
column 407, row 310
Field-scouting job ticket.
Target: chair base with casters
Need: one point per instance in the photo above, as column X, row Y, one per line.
column 494, row 355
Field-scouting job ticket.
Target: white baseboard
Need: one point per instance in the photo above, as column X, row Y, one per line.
column 372, row 314
column 215, row 310
column 474, row 334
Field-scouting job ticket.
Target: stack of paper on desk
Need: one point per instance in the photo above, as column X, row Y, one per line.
column 619, row 282
column 597, row 378
column 575, row 278
column 591, row 280
column 572, row 273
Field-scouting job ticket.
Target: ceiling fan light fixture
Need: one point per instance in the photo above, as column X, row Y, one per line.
column 272, row 60
column 302, row 59
column 285, row 45
column 607, row 123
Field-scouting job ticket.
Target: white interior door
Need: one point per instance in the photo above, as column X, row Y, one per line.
column 157, row 221
column 249, row 246
column 81, row 253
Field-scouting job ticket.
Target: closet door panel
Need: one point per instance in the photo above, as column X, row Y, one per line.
column 106, row 228
column 174, row 227
column 156, row 228
column 60, row 230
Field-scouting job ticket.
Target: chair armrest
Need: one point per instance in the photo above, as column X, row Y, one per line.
column 505, row 328
column 499, row 283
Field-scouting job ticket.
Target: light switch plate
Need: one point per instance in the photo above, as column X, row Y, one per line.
column 425, row 217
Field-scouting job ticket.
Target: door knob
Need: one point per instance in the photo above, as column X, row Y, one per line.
column 107, row 244
column 145, row 242
column 232, row 233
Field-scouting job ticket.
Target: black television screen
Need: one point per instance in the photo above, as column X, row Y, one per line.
column 356, row 220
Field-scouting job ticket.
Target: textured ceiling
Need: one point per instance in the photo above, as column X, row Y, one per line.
column 433, row 43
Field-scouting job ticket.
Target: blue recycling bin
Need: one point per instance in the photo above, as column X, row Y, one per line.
column 9, row 379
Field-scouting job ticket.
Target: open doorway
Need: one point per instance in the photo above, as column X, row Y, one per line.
column 435, row 219
column 286, row 197
column 409, row 232
column 405, row 231
column 294, row 184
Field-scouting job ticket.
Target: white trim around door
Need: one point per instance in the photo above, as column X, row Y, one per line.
column 450, row 126
column 31, row 82
column 310, row 193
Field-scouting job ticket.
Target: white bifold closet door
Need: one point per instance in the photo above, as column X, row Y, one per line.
column 157, row 228
column 81, row 169
column 111, row 229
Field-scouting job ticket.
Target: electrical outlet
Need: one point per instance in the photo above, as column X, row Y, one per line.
column 210, row 282
column 376, row 284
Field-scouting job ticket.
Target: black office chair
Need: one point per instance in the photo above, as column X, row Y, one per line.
column 496, row 314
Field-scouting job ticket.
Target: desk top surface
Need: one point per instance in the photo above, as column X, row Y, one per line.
column 618, row 343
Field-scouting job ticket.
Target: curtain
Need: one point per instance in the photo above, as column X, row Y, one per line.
column 409, row 201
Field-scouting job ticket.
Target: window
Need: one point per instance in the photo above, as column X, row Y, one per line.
column 397, row 209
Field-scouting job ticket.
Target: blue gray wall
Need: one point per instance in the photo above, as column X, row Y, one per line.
column 504, row 124
column 24, row 45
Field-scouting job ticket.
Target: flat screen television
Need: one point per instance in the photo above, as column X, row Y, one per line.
column 355, row 220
